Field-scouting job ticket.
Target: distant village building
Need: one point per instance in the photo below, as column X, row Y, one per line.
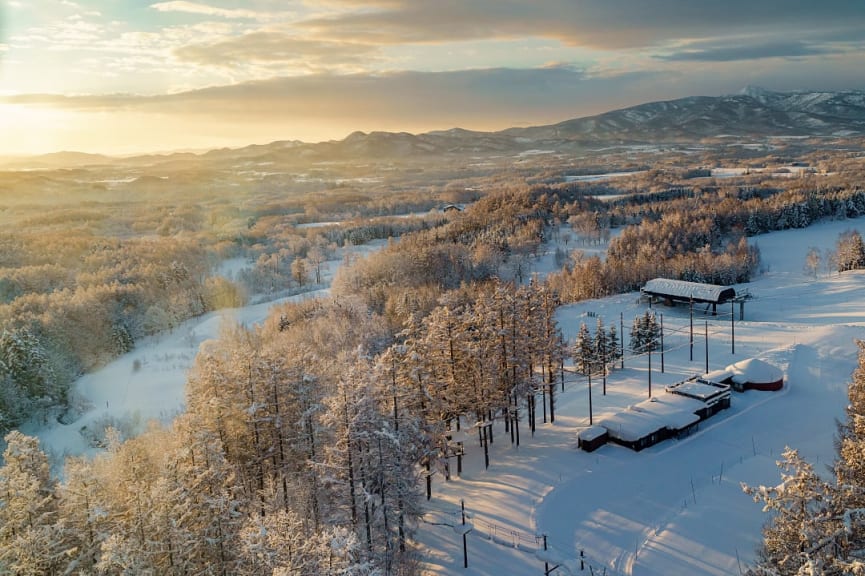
column 672, row 291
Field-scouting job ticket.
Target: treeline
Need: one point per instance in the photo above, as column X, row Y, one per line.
column 97, row 300
column 85, row 276
column 699, row 237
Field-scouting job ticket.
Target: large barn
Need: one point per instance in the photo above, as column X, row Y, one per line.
column 672, row 291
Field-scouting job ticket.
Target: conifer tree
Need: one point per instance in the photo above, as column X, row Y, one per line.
column 584, row 353
column 28, row 513
column 613, row 348
column 601, row 342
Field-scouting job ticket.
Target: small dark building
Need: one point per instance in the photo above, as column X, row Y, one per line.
column 592, row 438
column 672, row 291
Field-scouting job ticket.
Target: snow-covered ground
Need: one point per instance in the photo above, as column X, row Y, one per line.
column 149, row 382
column 602, row 177
column 673, row 509
column 676, row 508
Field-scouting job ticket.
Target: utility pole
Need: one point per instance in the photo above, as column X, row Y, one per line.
column 650, row 370
column 662, row 343
column 707, row 347
column 732, row 328
column 692, row 326
column 622, row 338
column 590, row 398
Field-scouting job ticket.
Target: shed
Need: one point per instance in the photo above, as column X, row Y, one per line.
column 674, row 291
column 755, row 374
column 592, row 438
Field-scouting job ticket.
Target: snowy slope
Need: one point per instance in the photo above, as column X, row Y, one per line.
column 149, row 382
column 676, row 508
column 672, row 509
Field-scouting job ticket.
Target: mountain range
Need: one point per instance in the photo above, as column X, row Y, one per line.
column 753, row 113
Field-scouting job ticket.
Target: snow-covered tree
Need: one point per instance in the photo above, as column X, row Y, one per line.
column 817, row 525
column 601, row 343
column 584, row 353
column 613, row 345
column 798, row 539
column 645, row 333
column 850, row 251
column 29, row 543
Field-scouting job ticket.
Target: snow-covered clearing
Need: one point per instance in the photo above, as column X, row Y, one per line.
column 602, row 177
column 673, row 509
column 149, row 382
column 676, row 508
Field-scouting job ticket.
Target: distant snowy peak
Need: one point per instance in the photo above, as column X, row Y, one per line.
column 753, row 112
column 758, row 93
column 843, row 104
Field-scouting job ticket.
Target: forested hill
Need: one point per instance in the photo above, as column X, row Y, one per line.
column 754, row 113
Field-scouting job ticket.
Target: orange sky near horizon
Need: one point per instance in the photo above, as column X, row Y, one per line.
column 131, row 76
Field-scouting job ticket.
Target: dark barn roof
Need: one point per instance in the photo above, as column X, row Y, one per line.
column 682, row 291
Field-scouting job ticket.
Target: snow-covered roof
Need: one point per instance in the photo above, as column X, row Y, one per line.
column 631, row 425
column 640, row 420
column 592, row 433
column 700, row 389
column 685, row 290
column 717, row 375
column 754, row 370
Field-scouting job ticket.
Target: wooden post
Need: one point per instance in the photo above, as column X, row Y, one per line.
column 546, row 564
column 465, row 545
column 650, row 371
column 707, row 347
column 692, row 327
column 622, row 338
column 732, row 328
column 590, row 398
column 662, row 343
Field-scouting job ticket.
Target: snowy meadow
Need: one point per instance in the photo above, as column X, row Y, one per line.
column 676, row 508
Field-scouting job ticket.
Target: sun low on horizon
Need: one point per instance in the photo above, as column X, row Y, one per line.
column 130, row 76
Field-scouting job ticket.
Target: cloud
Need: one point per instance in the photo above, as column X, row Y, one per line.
column 329, row 106
column 730, row 53
column 606, row 24
column 484, row 98
column 206, row 10
column 277, row 47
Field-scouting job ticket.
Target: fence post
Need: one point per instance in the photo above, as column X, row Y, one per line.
column 465, row 545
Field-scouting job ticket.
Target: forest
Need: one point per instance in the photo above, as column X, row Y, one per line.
column 307, row 442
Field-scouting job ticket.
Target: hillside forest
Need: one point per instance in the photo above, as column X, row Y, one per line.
column 307, row 442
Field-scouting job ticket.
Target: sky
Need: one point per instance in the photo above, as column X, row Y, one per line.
column 128, row 76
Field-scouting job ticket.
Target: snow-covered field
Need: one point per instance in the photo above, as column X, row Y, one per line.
column 673, row 509
column 148, row 383
column 676, row 508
